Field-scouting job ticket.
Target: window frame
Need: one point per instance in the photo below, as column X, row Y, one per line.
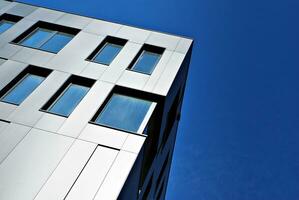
column 6, row 21
column 73, row 79
column 103, row 63
column 52, row 36
column 146, row 48
column 13, row 19
column 17, row 84
column 108, row 39
column 62, row 94
column 54, row 29
column 32, row 33
column 139, row 57
column 130, row 93
column 32, row 70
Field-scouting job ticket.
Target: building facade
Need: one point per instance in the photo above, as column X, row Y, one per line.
column 89, row 109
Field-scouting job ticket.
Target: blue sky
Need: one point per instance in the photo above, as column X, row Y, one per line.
column 239, row 133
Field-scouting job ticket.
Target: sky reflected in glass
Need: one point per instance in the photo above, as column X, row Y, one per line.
column 23, row 89
column 68, row 101
column 124, row 112
column 5, row 25
column 107, row 53
column 57, row 42
column 146, row 62
column 37, row 38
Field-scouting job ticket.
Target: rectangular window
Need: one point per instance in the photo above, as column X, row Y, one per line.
column 47, row 37
column 7, row 21
column 5, row 25
column 107, row 50
column 23, row 85
column 57, row 42
column 37, row 38
column 23, row 89
column 107, row 53
column 68, row 100
column 47, row 40
column 68, row 96
column 147, row 59
column 123, row 112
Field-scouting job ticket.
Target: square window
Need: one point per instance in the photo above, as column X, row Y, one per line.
column 123, row 112
column 146, row 59
column 23, row 85
column 66, row 99
column 107, row 50
column 47, row 37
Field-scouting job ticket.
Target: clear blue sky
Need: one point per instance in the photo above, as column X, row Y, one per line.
column 239, row 132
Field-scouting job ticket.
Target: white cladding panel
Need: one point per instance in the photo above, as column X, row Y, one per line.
column 93, row 174
column 48, row 157
column 29, row 165
column 68, row 170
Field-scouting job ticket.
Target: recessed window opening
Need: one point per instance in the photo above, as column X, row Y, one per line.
column 66, row 99
column 47, row 37
column 147, row 59
column 7, row 21
column 23, row 85
column 107, row 51
column 123, row 112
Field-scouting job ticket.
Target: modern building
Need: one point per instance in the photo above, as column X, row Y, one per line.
column 89, row 109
